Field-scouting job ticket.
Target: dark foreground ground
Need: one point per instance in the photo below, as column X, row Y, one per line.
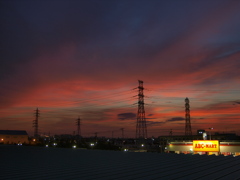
column 19, row 162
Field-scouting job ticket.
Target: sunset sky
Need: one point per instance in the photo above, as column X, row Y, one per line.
column 84, row 58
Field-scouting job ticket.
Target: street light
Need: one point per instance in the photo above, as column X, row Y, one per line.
column 210, row 132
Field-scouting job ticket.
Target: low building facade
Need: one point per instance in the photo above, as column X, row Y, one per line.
column 204, row 147
column 13, row 137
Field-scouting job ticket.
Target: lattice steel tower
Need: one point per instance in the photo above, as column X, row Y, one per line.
column 78, row 123
column 188, row 130
column 141, row 128
column 35, row 123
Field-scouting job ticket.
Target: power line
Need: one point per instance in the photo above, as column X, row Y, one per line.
column 189, row 90
column 82, row 101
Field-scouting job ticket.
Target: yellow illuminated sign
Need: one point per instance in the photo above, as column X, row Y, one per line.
column 205, row 145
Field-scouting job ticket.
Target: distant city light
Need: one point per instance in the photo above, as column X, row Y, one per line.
column 46, row 145
column 74, row 146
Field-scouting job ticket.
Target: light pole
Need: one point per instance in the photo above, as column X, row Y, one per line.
column 210, row 132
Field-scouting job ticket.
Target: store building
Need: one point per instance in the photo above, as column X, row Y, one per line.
column 204, row 147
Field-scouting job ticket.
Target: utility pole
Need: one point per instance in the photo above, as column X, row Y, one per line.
column 112, row 134
column 141, row 128
column 96, row 133
column 188, row 130
column 78, row 123
column 35, row 123
column 122, row 129
column 210, row 132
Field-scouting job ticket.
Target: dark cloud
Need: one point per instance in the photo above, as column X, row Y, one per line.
column 220, row 106
column 236, row 102
column 150, row 123
column 127, row 116
column 175, row 119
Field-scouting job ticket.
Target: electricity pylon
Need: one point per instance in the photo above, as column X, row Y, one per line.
column 188, row 130
column 141, row 128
